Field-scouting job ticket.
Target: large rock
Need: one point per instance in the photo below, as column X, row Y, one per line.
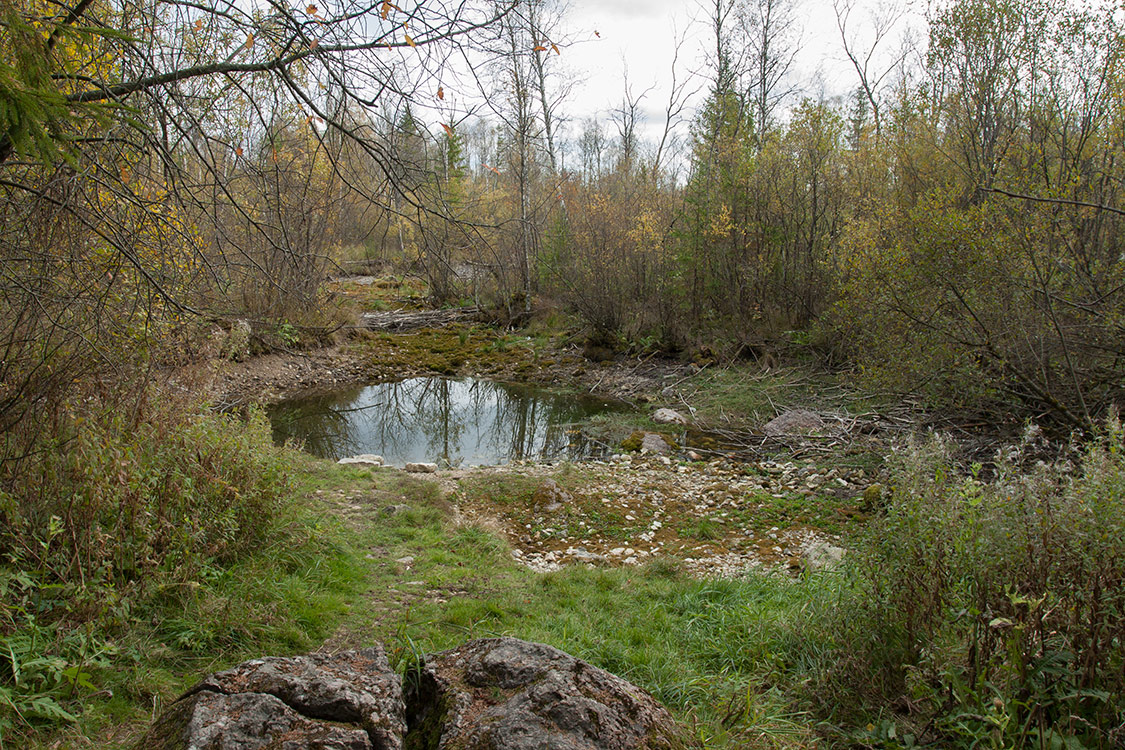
column 507, row 694
column 668, row 416
column 493, row 694
column 246, row 721
column 654, row 442
column 350, row 700
column 550, row 496
column 794, row 422
column 420, row 468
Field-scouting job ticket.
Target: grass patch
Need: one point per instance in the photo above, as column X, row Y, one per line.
column 735, row 397
column 707, row 650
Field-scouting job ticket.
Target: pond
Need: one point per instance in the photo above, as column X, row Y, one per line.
column 450, row 422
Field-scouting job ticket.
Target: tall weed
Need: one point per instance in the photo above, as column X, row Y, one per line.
column 993, row 614
column 133, row 508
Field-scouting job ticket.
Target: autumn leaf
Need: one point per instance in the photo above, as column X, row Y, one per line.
column 314, row 44
column 494, row 169
column 555, row 47
column 539, row 48
column 249, row 41
column 312, row 10
column 440, row 93
column 409, row 40
column 238, row 151
column 198, row 24
column 385, row 11
column 448, row 130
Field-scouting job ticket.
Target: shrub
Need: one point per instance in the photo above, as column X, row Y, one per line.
column 132, row 505
column 995, row 611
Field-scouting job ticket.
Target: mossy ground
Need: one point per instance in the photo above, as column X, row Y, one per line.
column 480, row 351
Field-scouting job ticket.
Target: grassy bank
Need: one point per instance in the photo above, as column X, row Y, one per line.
column 968, row 614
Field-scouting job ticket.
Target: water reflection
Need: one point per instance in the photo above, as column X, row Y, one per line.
column 450, row 422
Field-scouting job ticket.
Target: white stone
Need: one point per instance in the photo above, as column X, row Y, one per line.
column 822, row 556
column 669, row 416
column 363, row 459
column 420, row 468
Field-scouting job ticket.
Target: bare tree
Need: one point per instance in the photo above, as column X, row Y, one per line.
column 677, row 101
column 625, row 117
column 772, row 38
column 882, row 20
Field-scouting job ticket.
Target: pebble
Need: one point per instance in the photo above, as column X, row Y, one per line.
column 639, row 488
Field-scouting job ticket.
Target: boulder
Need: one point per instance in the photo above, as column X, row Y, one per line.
column 822, row 556
column 490, row 694
column 364, row 459
column 349, row 700
column 213, row 721
column 654, row 442
column 669, row 416
column 507, row 694
column 420, row 468
column 550, row 496
column 794, row 422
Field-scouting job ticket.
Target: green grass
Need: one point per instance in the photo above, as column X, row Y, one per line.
column 717, row 652
column 285, row 598
column 738, row 397
column 707, row 650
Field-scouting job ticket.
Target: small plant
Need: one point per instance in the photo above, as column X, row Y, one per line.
column 288, row 334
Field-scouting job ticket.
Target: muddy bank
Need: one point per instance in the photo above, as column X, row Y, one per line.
column 275, row 377
column 453, row 351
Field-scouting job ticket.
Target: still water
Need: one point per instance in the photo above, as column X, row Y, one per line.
column 450, row 422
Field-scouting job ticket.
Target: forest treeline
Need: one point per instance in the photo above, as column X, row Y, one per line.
column 951, row 229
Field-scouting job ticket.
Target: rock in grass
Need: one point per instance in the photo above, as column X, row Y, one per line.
column 420, row 468
column 507, row 694
column 550, row 496
column 349, row 700
column 246, row 720
column 654, row 442
column 668, row 416
column 491, row 694
column 364, row 459
column 822, row 556
column 794, row 422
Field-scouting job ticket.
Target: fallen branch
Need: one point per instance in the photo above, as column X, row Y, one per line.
column 398, row 320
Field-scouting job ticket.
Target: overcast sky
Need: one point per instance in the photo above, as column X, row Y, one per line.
column 639, row 35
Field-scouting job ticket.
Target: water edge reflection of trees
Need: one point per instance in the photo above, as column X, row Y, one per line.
column 450, row 422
